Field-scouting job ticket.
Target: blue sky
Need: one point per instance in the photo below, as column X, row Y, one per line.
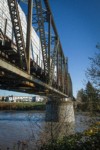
column 78, row 25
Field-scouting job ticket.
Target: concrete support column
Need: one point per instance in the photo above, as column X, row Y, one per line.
column 58, row 110
column 60, row 118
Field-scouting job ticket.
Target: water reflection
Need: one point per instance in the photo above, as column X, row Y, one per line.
column 30, row 130
column 21, row 126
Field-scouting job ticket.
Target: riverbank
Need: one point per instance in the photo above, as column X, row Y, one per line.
column 22, row 106
column 88, row 140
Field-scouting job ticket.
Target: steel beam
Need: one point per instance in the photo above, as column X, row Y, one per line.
column 52, row 21
column 29, row 26
column 17, row 27
column 58, row 67
column 5, row 27
column 49, row 45
column 12, row 69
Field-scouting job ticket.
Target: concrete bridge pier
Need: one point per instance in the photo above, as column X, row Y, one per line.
column 60, row 117
column 60, row 110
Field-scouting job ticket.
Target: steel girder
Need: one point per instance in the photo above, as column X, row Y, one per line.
column 55, row 59
column 16, row 22
column 55, row 72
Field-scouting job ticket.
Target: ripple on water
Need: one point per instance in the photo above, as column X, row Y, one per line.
column 29, row 126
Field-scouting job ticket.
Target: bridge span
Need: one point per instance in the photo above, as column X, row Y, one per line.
column 31, row 55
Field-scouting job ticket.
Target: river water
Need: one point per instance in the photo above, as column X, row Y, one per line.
column 28, row 130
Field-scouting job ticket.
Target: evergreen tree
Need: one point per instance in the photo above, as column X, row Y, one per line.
column 89, row 97
column 81, row 95
column 91, row 92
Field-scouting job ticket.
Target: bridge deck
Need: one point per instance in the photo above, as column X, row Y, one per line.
column 13, row 78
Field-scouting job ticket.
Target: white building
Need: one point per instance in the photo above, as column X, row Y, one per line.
column 38, row 98
column 19, row 98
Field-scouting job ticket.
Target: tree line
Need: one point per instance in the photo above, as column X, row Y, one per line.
column 89, row 97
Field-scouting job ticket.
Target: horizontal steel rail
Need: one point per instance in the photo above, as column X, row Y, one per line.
column 14, row 70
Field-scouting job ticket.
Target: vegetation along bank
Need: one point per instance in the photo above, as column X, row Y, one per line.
column 22, row 106
column 88, row 140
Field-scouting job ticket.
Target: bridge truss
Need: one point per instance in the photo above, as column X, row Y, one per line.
column 18, row 72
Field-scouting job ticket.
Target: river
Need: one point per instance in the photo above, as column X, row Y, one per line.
column 21, row 129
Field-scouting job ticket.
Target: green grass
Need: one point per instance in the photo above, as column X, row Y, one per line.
column 22, row 106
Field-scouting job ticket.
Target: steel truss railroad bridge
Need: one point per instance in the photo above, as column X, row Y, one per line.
column 18, row 72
